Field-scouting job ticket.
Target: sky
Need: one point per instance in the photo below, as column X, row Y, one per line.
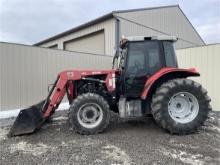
column 28, row 22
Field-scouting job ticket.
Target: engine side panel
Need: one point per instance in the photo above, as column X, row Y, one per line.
column 82, row 74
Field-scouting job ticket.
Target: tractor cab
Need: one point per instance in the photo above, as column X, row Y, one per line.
column 141, row 57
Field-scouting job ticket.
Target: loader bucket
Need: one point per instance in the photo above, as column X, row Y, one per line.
column 28, row 120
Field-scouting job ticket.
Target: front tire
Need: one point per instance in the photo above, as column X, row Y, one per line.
column 180, row 106
column 89, row 114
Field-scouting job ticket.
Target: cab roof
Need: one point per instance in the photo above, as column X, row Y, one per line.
column 143, row 38
column 124, row 40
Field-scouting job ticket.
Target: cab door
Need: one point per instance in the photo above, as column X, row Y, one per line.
column 143, row 59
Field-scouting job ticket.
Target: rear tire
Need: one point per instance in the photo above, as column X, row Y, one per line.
column 89, row 114
column 180, row 106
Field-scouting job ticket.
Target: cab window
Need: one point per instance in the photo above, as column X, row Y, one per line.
column 170, row 56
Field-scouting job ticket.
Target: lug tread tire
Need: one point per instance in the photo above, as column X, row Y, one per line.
column 162, row 96
column 75, row 106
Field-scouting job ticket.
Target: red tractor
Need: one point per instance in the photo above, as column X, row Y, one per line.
column 145, row 79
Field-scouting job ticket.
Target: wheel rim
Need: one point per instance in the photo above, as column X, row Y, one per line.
column 90, row 115
column 183, row 107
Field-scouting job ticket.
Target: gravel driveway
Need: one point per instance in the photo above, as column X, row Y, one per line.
column 124, row 142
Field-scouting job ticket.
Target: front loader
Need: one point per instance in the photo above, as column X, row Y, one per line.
column 145, row 79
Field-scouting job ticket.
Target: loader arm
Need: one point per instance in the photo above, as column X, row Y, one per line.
column 32, row 118
column 55, row 97
column 63, row 85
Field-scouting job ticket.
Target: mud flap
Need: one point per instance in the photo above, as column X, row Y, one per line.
column 28, row 120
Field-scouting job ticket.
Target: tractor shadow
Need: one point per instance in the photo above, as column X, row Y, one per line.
column 144, row 125
column 60, row 124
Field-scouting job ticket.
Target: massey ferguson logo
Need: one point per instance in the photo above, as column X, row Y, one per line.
column 96, row 72
column 70, row 74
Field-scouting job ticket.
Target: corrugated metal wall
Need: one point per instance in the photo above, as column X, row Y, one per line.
column 109, row 31
column 170, row 20
column 26, row 71
column 207, row 60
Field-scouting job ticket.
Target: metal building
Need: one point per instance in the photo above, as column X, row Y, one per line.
column 102, row 35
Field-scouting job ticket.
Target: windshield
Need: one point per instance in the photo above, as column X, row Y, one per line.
column 143, row 58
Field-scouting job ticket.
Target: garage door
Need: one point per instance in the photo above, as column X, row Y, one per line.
column 93, row 43
column 53, row 46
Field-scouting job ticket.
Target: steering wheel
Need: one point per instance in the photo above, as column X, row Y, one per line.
column 139, row 70
column 136, row 70
column 137, row 65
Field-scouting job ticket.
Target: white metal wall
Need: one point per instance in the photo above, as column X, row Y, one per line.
column 26, row 71
column 154, row 21
column 207, row 61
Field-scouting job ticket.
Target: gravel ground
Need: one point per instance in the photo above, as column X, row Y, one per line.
column 124, row 142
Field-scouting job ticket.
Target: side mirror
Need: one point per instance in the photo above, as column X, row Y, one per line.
column 49, row 87
column 122, row 63
column 122, row 58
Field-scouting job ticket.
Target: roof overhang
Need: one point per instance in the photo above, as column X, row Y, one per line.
column 125, row 40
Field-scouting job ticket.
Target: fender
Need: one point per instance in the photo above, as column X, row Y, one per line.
column 166, row 73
